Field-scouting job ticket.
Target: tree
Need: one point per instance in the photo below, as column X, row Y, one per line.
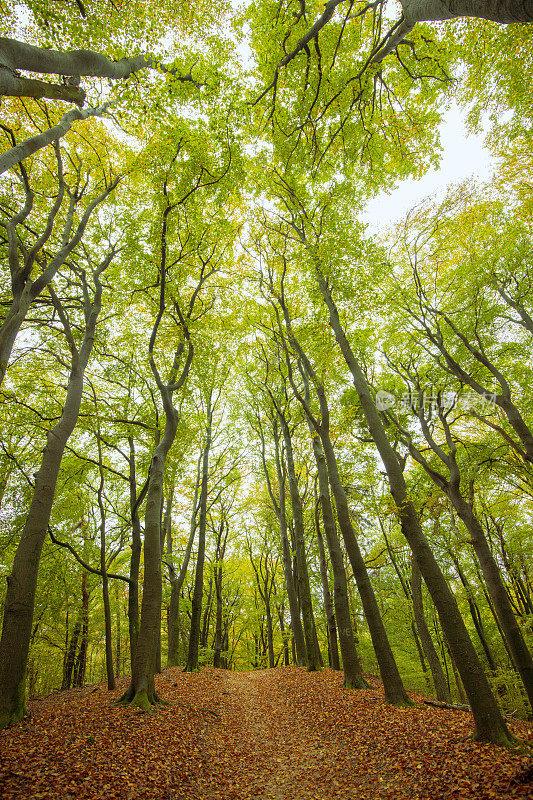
column 18, row 611
column 25, row 289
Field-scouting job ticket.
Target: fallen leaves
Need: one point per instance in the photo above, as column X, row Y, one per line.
column 269, row 735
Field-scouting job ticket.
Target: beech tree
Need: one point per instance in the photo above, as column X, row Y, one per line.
column 18, row 610
column 245, row 278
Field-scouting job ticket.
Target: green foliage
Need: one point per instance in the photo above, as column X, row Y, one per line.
column 258, row 177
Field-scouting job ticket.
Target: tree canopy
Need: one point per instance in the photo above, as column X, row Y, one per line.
column 238, row 428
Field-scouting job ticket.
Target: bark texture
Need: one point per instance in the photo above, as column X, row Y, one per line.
column 22, row 582
column 34, row 143
column 196, row 615
column 437, row 673
column 503, row 11
column 351, row 663
column 329, row 609
column 304, row 593
column 489, row 723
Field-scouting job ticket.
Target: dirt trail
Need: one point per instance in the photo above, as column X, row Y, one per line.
column 262, row 747
column 282, row 734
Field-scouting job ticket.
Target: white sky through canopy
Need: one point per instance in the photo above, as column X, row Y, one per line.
column 463, row 156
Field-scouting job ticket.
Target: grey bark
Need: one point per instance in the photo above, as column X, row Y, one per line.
column 111, row 684
column 351, row 662
column 136, row 549
column 497, row 590
column 502, row 11
column 218, row 574
column 437, row 673
column 141, row 691
column 196, row 614
column 450, row 483
column 392, row 683
column 329, row 610
column 489, row 722
column 34, row 143
column 16, row 55
column 448, row 362
column 176, row 582
column 304, row 593
column 22, row 582
column 265, row 584
column 280, row 511
column 25, row 290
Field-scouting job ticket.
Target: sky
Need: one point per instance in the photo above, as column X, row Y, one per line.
column 463, row 156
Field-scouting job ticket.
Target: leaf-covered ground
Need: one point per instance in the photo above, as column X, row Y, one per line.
column 269, row 735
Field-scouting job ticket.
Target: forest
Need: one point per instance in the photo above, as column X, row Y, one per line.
column 251, row 446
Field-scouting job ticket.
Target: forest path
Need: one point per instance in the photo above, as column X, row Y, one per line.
column 286, row 734
column 274, row 752
column 283, row 734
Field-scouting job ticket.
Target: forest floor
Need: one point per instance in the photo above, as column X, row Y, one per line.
column 281, row 734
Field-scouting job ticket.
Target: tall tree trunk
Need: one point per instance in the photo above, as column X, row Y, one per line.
column 196, row 615
column 286, row 654
column 176, row 583
column 270, row 631
column 489, row 723
column 118, row 650
column 313, row 657
column 498, row 593
column 217, row 645
column 135, row 558
column 206, row 621
column 353, row 671
column 71, row 654
column 474, row 610
column 421, row 656
column 81, row 661
column 439, row 680
column 141, row 691
column 392, row 682
column 296, row 623
column 331, row 625
column 103, row 568
column 218, row 575
column 22, row 583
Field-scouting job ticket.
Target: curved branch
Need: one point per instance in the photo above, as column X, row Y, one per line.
column 30, row 146
column 83, row 563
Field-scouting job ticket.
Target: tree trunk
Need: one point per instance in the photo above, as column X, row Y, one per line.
column 22, row 583
column 474, row 612
column 206, row 620
column 135, row 558
column 217, row 647
column 141, row 691
column 353, row 671
column 496, row 587
column 196, row 616
column 489, row 723
column 331, row 625
column 392, row 682
column 118, row 651
column 439, row 679
column 71, row 654
column 81, row 661
column 296, row 624
column 502, row 11
column 421, row 656
column 286, row 654
column 313, row 657
column 105, row 581
column 173, row 657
